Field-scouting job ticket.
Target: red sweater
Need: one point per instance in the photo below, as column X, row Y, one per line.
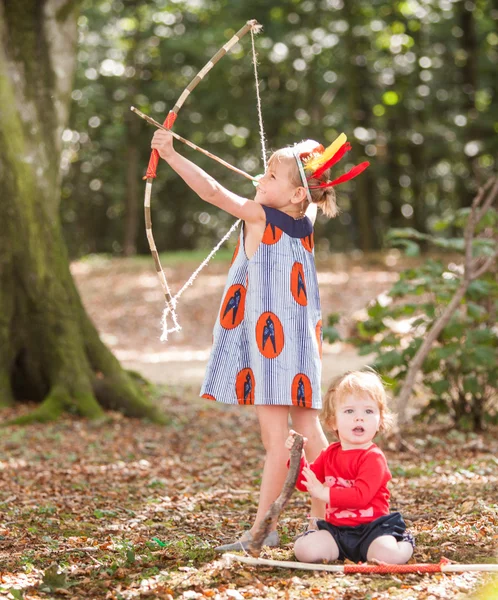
column 357, row 480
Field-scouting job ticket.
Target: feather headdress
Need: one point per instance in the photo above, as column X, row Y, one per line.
column 318, row 161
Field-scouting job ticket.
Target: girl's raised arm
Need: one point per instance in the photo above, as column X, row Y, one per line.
column 205, row 186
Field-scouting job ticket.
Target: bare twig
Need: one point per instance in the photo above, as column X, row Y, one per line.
column 276, row 508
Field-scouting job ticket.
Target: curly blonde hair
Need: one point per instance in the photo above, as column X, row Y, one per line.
column 358, row 383
column 325, row 197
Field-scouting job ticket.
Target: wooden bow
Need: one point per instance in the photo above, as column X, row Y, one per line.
column 150, row 175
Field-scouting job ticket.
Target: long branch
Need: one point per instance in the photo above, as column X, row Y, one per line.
column 271, row 517
column 470, row 273
column 418, row 359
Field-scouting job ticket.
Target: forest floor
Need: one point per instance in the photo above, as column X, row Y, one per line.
column 125, row 509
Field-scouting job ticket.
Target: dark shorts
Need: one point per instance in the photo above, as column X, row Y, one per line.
column 353, row 542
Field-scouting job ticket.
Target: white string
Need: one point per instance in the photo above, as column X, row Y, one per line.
column 258, row 98
column 172, row 304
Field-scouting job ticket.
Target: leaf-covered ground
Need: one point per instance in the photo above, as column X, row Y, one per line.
column 126, row 509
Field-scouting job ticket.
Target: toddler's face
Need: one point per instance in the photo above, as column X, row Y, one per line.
column 357, row 420
column 275, row 188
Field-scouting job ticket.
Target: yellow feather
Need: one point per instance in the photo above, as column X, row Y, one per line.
column 315, row 162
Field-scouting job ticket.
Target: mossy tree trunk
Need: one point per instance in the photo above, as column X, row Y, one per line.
column 50, row 351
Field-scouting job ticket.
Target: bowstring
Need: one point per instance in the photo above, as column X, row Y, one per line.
column 258, row 100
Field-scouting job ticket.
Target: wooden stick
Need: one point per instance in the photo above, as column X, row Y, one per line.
column 271, row 517
column 191, row 144
column 442, row 567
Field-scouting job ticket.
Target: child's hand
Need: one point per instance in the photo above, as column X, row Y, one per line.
column 289, row 442
column 163, row 143
column 315, row 487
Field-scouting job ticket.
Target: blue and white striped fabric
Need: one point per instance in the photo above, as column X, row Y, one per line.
column 268, row 335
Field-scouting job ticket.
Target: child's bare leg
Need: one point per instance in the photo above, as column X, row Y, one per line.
column 386, row 549
column 306, row 422
column 273, row 422
column 315, row 547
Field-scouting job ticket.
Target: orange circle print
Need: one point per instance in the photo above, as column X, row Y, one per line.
column 209, row 397
column 269, row 335
column 235, row 252
column 301, row 391
column 245, row 386
column 272, row 234
column 319, row 335
column 232, row 309
column 298, row 284
column 308, row 242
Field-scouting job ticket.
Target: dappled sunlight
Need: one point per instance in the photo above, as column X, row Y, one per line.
column 145, row 280
column 342, row 277
column 20, row 581
column 136, row 507
column 401, row 326
column 128, row 314
column 173, row 354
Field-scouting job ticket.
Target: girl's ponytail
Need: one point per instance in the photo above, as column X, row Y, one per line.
column 324, row 197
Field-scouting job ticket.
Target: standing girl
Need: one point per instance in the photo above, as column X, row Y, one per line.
column 268, row 334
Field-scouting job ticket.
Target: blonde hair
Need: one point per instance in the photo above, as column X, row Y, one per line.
column 357, row 383
column 324, row 197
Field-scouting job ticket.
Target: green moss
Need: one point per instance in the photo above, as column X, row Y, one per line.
column 49, row 410
column 56, row 403
column 59, row 348
column 5, row 390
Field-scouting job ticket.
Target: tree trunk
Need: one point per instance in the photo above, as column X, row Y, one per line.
column 133, row 196
column 50, row 352
column 132, row 187
column 364, row 198
column 468, row 81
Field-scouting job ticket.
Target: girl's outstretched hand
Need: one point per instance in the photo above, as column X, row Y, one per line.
column 314, row 486
column 162, row 141
column 289, row 442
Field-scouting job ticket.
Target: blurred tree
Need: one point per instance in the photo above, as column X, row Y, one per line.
column 412, row 84
column 49, row 349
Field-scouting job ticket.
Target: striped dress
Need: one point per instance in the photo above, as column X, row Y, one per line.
column 268, row 335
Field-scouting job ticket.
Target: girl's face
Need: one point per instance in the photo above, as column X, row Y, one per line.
column 276, row 189
column 357, row 420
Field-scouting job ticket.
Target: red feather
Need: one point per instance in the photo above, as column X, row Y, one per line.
column 346, row 177
column 350, row 174
column 346, row 147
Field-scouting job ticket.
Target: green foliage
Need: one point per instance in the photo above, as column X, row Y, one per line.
column 460, row 373
column 52, row 579
column 330, row 332
column 399, row 83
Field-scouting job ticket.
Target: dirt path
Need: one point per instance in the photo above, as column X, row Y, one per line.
column 125, row 301
column 188, row 366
